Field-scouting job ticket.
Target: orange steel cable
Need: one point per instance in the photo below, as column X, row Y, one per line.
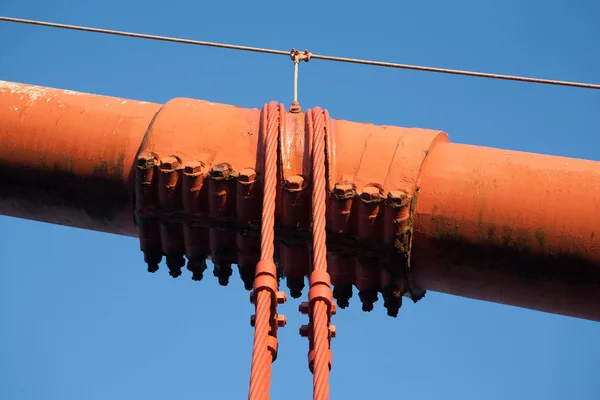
column 320, row 311
column 267, row 244
column 262, row 354
column 261, row 359
column 314, row 56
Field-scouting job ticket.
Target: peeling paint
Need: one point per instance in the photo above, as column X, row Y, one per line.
column 72, row 92
column 33, row 92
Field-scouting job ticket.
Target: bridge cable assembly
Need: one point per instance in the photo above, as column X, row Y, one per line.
column 265, row 294
column 314, row 56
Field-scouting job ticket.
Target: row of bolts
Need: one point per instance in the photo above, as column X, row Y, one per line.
column 341, row 190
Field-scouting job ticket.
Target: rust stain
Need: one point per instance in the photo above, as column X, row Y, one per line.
column 492, row 210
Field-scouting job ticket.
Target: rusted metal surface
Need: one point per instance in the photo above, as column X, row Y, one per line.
column 196, row 240
column 509, row 227
column 67, row 158
column 248, row 212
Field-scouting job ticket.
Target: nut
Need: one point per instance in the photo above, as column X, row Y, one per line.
column 370, row 193
column 169, row 163
column 253, row 321
column 332, row 331
column 281, row 298
column 397, row 198
column 304, row 307
column 294, row 183
column 281, row 321
column 343, row 190
column 193, row 167
column 146, row 160
column 247, row 175
column 304, row 330
column 220, row 170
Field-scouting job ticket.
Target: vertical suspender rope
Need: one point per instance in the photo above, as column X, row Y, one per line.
column 320, row 305
column 265, row 295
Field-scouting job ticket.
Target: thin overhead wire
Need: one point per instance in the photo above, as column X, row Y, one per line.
column 144, row 36
column 313, row 56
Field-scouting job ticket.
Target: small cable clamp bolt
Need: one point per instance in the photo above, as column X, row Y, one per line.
column 297, row 56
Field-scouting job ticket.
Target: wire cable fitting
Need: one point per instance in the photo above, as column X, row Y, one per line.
column 296, row 57
column 314, row 56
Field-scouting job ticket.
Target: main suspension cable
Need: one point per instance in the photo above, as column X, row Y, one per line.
column 313, row 56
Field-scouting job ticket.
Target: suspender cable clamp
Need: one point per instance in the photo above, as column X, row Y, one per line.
column 297, row 56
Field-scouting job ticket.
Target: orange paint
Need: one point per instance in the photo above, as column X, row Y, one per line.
column 503, row 226
column 510, row 227
column 67, row 158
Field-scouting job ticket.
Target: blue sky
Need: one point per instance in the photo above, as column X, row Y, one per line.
column 81, row 317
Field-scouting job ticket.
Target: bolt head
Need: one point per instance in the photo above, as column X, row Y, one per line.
column 396, row 197
column 169, row 163
column 332, row 331
column 281, row 321
column 370, row 193
column 304, row 330
column 304, row 307
column 281, row 297
column 295, row 182
column 247, row 175
column 253, row 321
column 397, row 194
column 146, row 159
column 220, row 170
column 343, row 190
column 193, row 167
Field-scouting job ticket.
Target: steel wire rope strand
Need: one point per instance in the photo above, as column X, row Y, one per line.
column 260, row 371
column 313, row 56
column 261, row 358
column 316, row 121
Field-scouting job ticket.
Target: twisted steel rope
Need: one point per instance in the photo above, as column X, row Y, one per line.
column 261, row 359
column 267, row 244
column 316, row 122
column 321, row 351
column 319, row 189
column 261, row 355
